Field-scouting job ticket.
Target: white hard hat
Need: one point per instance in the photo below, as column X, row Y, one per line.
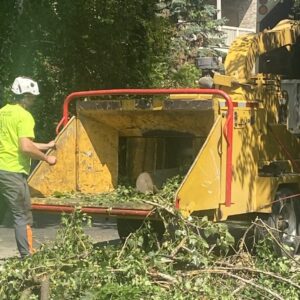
column 24, row 85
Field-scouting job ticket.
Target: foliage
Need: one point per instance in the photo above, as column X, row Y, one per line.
column 296, row 9
column 192, row 261
column 123, row 194
column 195, row 27
column 82, row 45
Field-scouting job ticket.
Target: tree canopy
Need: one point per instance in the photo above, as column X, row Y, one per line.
column 98, row 44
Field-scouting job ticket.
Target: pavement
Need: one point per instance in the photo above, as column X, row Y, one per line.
column 44, row 231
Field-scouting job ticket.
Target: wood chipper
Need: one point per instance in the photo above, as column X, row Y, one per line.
column 239, row 140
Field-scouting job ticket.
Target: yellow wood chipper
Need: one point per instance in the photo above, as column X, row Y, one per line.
column 240, row 139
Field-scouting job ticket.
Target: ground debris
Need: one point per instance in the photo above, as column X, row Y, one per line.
column 183, row 265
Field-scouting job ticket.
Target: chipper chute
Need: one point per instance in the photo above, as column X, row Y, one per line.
column 156, row 132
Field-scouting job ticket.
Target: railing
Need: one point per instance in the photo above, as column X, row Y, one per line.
column 232, row 32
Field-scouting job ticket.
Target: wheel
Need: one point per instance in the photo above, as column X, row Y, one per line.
column 127, row 226
column 285, row 221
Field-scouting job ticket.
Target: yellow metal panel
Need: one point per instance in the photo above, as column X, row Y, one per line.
column 97, row 161
column 46, row 180
column 245, row 49
column 244, row 163
column 265, row 193
column 267, row 187
column 204, row 186
column 191, row 96
column 200, row 189
column 135, row 123
column 272, row 150
column 223, row 80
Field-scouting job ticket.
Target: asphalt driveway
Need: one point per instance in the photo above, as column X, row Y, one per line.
column 45, row 228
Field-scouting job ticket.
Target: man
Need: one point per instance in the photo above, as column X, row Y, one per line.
column 16, row 151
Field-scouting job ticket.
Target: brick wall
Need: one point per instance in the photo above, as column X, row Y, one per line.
column 247, row 14
column 240, row 13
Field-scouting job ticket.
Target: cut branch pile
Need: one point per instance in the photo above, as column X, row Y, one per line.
column 123, row 194
column 194, row 259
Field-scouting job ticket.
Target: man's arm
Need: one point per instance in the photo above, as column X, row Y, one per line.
column 45, row 147
column 28, row 148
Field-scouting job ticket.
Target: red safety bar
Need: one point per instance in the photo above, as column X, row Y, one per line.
column 94, row 210
column 227, row 130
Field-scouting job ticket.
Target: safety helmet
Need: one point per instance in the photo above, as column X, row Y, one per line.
column 24, row 85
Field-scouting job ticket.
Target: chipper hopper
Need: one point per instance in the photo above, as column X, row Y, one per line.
column 160, row 136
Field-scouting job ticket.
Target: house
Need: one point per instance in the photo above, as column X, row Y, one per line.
column 246, row 16
column 243, row 17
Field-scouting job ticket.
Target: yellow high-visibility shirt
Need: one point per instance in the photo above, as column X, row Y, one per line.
column 15, row 123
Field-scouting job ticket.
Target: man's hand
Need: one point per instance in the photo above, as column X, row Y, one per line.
column 51, row 145
column 29, row 148
column 51, row 160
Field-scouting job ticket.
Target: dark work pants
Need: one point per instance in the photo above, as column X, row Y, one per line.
column 14, row 191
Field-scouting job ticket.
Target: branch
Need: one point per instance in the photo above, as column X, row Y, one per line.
column 247, row 281
column 124, row 246
column 160, row 206
column 247, row 269
column 180, row 245
column 163, row 276
column 269, row 230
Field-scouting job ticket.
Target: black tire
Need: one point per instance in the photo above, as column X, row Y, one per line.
column 127, row 226
column 285, row 221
